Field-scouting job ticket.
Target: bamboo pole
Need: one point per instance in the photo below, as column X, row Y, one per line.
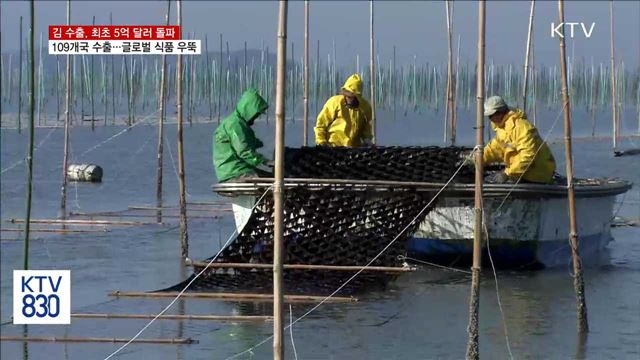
column 526, row 58
column 215, row 209
column 31, row 135
column 209, row 77
column 245, row 77
column 175, row 317
column 614, row 107
column 449, row 105
column 317, row 76
column 220, row 81
column 278, row 188
column 372, row 72
column 141, row 216
column 293, row 82
column 160, row 155
column 200, row 264
column 82, row 77
column 305, row 116
column 105, row 82
column 578, row 280
column 191, row 90
column 41, row 95
column 234, row 297
column 20, row 83
column 394, row 85
column 132, row 89
column 79, row 222
column 97, row 340
column 67, row 121
column 93, row 113
column 113, row 81
column 455, row 88
column 184, row 235
column 58, row 231
column 473, row 350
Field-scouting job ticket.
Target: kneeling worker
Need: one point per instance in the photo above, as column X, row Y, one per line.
column 235, row 144
column 517, row 144
column 345, row 119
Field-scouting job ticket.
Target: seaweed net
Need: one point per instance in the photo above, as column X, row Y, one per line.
column 394, row 163
column 336, row 226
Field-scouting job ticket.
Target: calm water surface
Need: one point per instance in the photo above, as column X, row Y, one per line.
column 422, row 315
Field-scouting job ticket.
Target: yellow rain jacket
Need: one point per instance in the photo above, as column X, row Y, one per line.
column 338, row 125
column 518, row 145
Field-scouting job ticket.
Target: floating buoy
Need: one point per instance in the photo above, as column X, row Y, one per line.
column 84, row 172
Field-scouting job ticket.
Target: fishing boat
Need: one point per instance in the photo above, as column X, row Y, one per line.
column 526, row 225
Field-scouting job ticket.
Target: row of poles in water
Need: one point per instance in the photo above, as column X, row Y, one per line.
column 278, row 187
column 212, row 86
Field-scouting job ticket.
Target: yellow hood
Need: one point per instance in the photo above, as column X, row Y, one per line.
column 353, row 84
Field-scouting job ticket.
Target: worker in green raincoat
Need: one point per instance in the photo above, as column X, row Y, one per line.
column 235, row 144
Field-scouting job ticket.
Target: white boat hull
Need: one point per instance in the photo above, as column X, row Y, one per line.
column 522, row 231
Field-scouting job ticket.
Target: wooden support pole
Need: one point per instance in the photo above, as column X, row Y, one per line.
column 305, row 118
column 96, row 340
column 20, row 83
column 175, row 317
column 278, row 188
column 449, row 105
column 81, row 222
column 220, row 74
column 525, row 75
column 140, row 216
column 31, row 136
column 59, row 231
column 184, row 235
column 215, row 265
column 578, row 280
column 139, row 208
column 67, row 121
column 113, row 81
column 473, row 350
column 372, row 72
column 207, row 203
column 246, row 297
column 614, row 98
column 93, row 113
column 160, row 154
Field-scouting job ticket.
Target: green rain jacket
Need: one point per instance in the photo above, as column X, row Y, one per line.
column 235, row 143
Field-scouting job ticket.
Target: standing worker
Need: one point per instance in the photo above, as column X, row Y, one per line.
column 235, row 144
column 518, row 145
column 345, row 119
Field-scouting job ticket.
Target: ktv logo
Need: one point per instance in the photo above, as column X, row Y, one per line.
column 558, row 30
column 41, row 297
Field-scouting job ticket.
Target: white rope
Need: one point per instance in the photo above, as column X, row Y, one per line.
column 495, row 277
column 186, row 286
column 250, row 350
column 173, row 164
column 144, row 119
column 293, row 344
column 133, row 156
column 403, row 257
column 34, row 150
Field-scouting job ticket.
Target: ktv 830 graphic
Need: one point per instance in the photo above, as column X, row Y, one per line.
column 41, row 297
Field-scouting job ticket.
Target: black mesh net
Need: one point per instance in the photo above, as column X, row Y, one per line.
column 426, row 164
column 336, row 225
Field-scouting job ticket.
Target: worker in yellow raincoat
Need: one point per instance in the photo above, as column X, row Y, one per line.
column 345, row 119
column 517, row 145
